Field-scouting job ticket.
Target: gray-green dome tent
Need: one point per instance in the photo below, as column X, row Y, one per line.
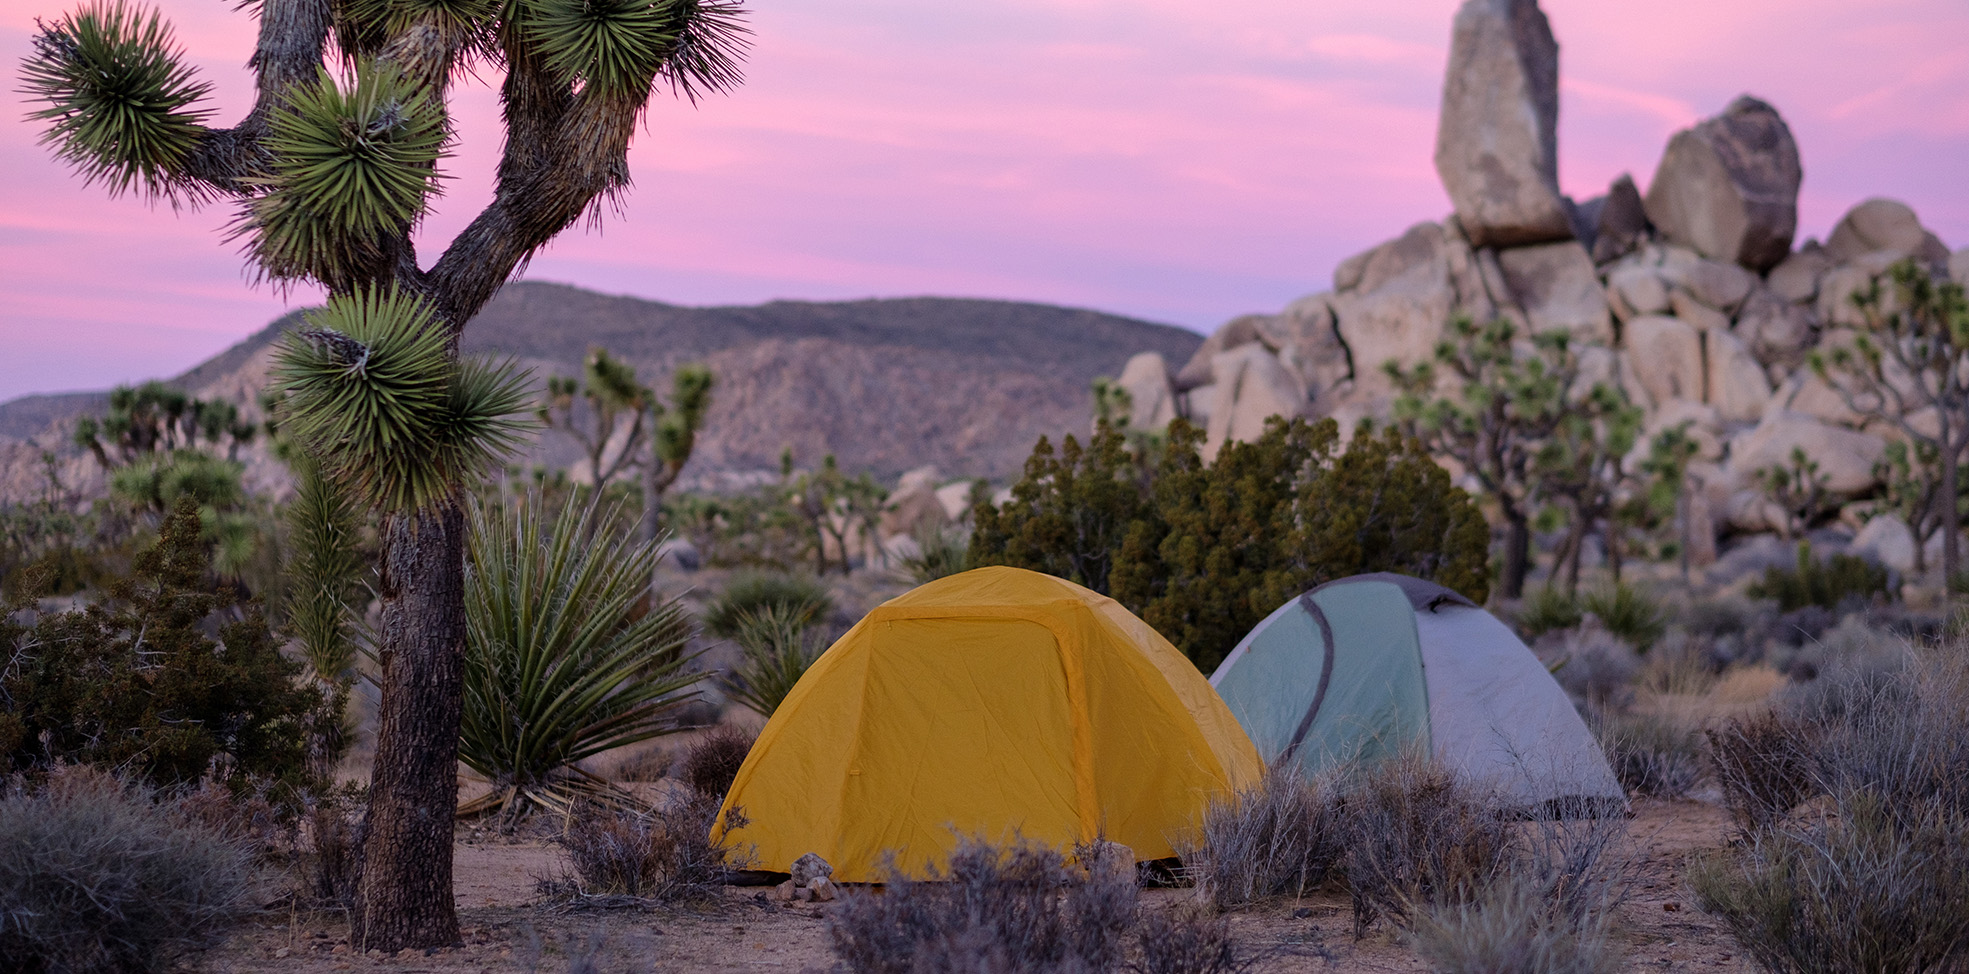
column 1366, row 667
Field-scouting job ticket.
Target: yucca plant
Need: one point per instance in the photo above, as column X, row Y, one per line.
column 569, row 653
column 331, row 172
column 776, row 646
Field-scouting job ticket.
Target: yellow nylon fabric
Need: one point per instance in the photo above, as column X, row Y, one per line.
column 997, row 702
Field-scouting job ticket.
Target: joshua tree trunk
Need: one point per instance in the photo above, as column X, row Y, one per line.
column 1950, row 505
column 1517, row 552
column 406, row 892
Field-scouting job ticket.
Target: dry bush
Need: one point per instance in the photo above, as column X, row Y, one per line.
column 97, row 875
column 1189, row 940
column 1277, row 838
column 711, row 762
column 1652, row 754
column 660, row 855
column 1016, row 908
column 1417, row 836
column 1764, row 766
column 1546, row 908
column 1852, row 892
column 334, row 862
column 1510, row 928
column 1595, row 667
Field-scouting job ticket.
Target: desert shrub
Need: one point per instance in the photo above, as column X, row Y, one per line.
column 1595, row 667
column 1203, row 551
column 750, row 592
column 711, row 763
column 1548, row 609
column 334, row 826
column 1511, row 927
column 1827, row 583
column 776, row 646
column 100, row 876
column 1854, row 891
column 1277, row 838
column 940, row 553
column 1627, row 612
column 137, row 681
column 1417, row 836
column 1764, row 765
column 662, row 855
column 1905, row 740
column 1016, row 908
column 1189, row 940
column 1651, row 755
column 569, row 652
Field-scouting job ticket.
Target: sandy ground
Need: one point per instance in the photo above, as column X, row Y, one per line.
column 509, row 928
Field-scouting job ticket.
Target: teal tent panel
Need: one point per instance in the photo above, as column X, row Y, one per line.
column 1377, row 702
column 1270, row 681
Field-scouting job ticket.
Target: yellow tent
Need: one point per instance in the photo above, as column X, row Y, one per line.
column 994, row 702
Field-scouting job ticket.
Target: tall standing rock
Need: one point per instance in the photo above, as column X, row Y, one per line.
column 1497, row 144
column 1729, row 186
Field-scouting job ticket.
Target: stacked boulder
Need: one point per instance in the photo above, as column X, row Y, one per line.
column 1693, row 296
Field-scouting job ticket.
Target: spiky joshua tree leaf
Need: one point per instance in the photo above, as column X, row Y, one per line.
column 374, row 397
column 118, row 95
column 352, row 170
column 621, row 47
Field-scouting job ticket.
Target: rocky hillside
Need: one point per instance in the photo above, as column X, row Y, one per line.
column 1693, row 296
column 887, row 385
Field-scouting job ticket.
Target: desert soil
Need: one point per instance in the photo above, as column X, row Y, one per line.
column 510, row 927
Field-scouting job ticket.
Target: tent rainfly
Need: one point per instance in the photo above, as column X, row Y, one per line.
column 998, row 703
column 1366, row 667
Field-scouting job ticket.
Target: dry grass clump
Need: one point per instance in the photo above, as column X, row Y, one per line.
column 710, row 763
column 100, row 875
column 1510, row 927
column 1416, row 836
column 1189, row 940
column 661, row 855
column 1016, row 908
column 1278, row 838
column 1875, row 877
column 1652, row 754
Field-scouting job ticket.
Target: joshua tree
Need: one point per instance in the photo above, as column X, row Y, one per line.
column 658, row 437
column 1514, row 404
column 676, row 426
column 331, row 170
column 1909, row 368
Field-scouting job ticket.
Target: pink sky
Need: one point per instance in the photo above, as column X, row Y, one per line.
column 1178, row 161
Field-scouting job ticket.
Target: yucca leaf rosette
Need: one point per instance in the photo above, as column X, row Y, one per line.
column 119, row 96
column 619, row 48
column 353, row 168
column 374, row 396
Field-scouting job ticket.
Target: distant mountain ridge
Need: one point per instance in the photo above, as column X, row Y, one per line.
column 884, row 384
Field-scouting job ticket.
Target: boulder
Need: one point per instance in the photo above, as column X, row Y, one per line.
column 1704, row 427
column 1884, row 225
column 1239, row 331
column 1151, row 395
column 1665, row 355
column 1637, row 290
column 1714, row 283
column 1306, row 339
column 956, row 499
column 1702, row 530
column 1558, row 288
column 808, row 868
column 1796, row 278
column 1252, row 387
column 1728, row 187
column 1958, row 267
column 913, row 508
column 1497, row 137
column 1750, row 509
column 1738, row 387
column 1621, row 223
column 1403, row 293
column 1701, row 317
column 1777, row 331
column 1885, row 540
column 1837, row 288
column 1804, row 392
column 1845, row 457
